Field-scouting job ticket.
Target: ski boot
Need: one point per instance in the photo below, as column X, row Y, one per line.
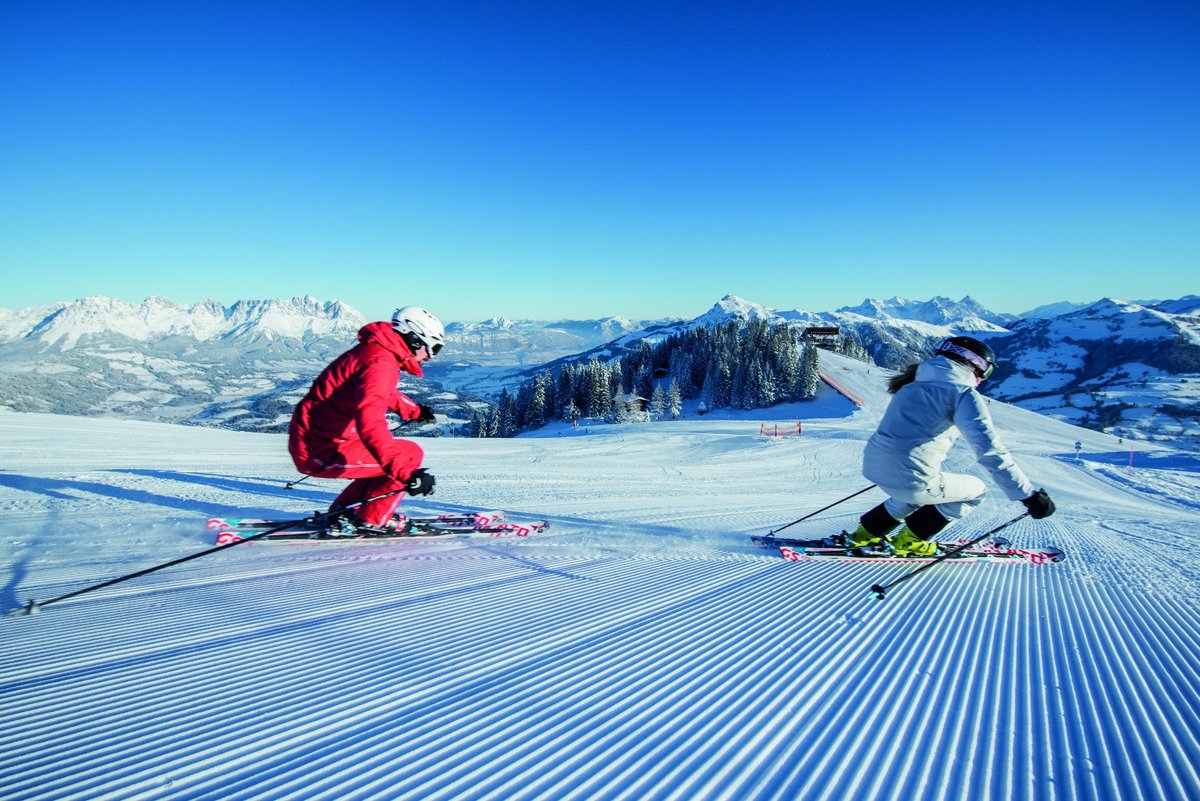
column 354, row 526
column 905, row 543
column 861, row 538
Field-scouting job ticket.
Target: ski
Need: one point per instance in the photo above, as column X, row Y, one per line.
column 798, row 550
column 769, row 541
column 474, row 524
column 475, row 519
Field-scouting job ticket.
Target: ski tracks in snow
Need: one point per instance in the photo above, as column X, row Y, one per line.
column 639, row 649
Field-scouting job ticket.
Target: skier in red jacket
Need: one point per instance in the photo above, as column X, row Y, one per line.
column 339, row 429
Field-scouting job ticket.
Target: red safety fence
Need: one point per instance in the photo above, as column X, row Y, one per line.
column 777, row 430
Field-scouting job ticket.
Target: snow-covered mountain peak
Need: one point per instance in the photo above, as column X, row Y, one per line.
column 97, row 317
column 298, row 318
column 1048, row 310
column 1188, row 304
column 1117, row 321
column 732, row 307
column 99, row 314
column 964, row 315
column 1112, row 363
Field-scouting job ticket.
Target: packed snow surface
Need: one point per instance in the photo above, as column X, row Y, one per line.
column 641, row 648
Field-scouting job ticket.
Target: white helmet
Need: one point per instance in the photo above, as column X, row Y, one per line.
column 418, row 327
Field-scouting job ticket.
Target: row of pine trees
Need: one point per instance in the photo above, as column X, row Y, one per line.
column 734, row 366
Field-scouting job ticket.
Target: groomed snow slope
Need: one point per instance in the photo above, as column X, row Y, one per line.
column 639, row 649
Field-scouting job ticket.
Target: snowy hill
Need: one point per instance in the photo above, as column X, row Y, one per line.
column 1116, row 366
column 1188, row 305
column 641, row 648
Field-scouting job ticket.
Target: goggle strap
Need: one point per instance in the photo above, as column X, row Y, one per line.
column 980, row 364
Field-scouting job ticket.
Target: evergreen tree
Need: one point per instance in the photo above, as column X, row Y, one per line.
column 722, row 387
column 747, row 366
column 674, row 400
column 785, row 360
column 643, row 379
column 769, row 393
column 524, row 402
column 616, row 376
column 507, row 412
column 552, row 404
column 810, row 369
column 566, row 389
column 598, row 397
column 658, row 402
column 741, row 379
column 536, row 418
column 571, row 412
column 850, row 346
column 620, row 406
column 680, row 369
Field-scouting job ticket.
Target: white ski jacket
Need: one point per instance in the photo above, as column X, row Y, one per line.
column 924, row 420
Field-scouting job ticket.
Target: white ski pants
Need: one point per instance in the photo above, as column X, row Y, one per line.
column 955, row 496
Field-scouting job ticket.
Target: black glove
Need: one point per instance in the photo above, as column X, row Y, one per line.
column 1039, row 505
column 426, row 415
column 420, row 482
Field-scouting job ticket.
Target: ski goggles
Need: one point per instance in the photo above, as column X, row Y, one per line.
column 983, row 368
column 415, row 343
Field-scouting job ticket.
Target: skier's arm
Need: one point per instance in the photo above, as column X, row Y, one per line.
column 377, row 384
column 404, row 406
column 975, row 422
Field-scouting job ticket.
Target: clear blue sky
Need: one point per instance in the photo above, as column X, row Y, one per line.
column 570, row 159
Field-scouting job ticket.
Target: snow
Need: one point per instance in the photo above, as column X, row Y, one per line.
column 1049, row 310
column 939, row 313
column 65, row 324
column 641, row 648
column 1111, row 319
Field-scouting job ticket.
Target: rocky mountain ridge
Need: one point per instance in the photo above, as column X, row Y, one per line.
column 1112, row 365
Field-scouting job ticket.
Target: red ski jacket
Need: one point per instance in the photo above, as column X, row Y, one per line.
column 347, row 404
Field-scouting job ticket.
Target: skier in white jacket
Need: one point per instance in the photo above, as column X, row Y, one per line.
column 934, row 402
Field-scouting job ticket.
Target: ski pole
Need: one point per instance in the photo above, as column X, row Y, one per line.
column 34, row 606
column 880, row 589
column 822, row 509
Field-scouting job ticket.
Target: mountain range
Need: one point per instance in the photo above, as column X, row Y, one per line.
column 1124, row 367
column 500, row 341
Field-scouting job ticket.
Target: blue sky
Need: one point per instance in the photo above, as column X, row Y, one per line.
column 574, row 160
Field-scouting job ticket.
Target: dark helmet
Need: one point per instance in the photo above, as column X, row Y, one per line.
column 971, row 352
